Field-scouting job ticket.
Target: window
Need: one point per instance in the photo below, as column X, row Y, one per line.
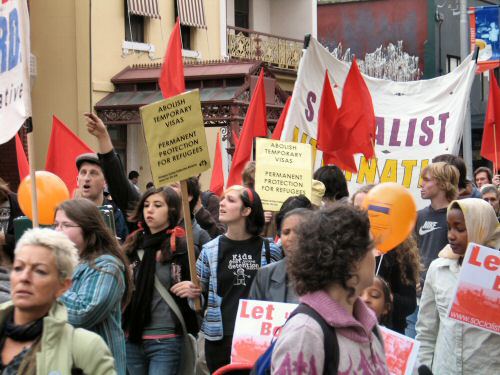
column 241, row 13
column 134, row 26
column 185, row 30
column 186, row 37
column 452, row 62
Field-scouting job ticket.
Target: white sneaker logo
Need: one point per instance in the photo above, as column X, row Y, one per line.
column 428, row 227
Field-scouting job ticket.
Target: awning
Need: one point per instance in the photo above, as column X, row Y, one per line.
column 145, row 8
column 191, row 13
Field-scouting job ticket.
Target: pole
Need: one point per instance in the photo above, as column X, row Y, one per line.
column 495, row 144
column 31, row 158
column 464, row 48
column 189, row 239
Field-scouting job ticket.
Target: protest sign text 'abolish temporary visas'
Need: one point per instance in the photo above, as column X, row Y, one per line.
column 175, row 136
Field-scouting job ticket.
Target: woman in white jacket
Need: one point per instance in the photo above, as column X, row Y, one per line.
column 447, row 346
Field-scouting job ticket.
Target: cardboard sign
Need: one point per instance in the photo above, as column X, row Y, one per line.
column 476, row 301
column 175, row 136
column 257, row 323
column 400, row 351
column 282, row 169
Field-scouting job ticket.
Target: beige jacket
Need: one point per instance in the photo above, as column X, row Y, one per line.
column 64, row 347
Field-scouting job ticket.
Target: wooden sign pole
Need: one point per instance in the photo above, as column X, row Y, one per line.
column 31, row 158
column 189, row 239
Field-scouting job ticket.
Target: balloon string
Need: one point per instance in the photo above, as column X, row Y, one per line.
column 379, row 264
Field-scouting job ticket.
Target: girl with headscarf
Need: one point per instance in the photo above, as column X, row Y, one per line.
column 448, row 346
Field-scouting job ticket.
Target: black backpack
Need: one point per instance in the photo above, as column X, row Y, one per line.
column 330, row 345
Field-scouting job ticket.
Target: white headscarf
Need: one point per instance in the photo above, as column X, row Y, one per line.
column 480, row 221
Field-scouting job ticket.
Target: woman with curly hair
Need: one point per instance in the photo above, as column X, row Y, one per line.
column 401, row 268
column 160, row 261
column 334, row 265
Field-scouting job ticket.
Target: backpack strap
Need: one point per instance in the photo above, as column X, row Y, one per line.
column 376, row 332
column 330, row 341
column 268, row 250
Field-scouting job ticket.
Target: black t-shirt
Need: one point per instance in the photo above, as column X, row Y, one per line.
column 238, row 262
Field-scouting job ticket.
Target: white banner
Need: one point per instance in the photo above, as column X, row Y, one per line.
column 15, row 97
column 415, row 120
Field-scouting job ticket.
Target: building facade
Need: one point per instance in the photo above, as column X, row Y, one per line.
column 84, row 48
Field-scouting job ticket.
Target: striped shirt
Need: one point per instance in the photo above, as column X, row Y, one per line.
column 94, row 303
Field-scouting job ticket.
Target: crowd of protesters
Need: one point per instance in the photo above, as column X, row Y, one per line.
column 101, row 298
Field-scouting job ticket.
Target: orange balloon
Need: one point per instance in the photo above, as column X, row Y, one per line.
column 50, row 190
column 392, row 213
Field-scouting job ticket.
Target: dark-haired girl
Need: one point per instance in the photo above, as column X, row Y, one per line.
column 378, row 297
column 157, row 250
column 102, row 280
column 334, row 263
column 227, row 266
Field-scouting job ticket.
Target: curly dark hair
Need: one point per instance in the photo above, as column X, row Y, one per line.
column 334, row 240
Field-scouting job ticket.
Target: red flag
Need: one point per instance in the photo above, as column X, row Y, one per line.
column 355, row 126
column 255, row 125
column 172, row 71
column 278, row 129
column 217, row 181
column 327, row 119
column 491, row 133
column 259, row 123
column 64, row 147
column 22, row 161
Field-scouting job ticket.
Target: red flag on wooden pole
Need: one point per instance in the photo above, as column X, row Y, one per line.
column 64, row 148
column 172, row 71
column 22, row 161
column 490, row 146
column 255, row 125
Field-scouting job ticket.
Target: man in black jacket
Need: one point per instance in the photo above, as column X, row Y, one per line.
column 91, row 184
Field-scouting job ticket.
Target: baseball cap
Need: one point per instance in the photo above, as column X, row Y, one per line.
column 87, row 158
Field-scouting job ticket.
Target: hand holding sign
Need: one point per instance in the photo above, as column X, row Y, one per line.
column 392, row 212
column 177, row 149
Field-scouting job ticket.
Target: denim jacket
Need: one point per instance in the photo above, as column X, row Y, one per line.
column 206, row 267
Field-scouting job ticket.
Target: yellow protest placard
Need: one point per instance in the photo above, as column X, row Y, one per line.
column 282, row 169
column 175, row 136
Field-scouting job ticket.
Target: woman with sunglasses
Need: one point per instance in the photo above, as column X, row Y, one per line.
column 227, row 266
column 101, row 281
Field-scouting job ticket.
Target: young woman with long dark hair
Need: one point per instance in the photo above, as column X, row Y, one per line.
column 157, row 251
